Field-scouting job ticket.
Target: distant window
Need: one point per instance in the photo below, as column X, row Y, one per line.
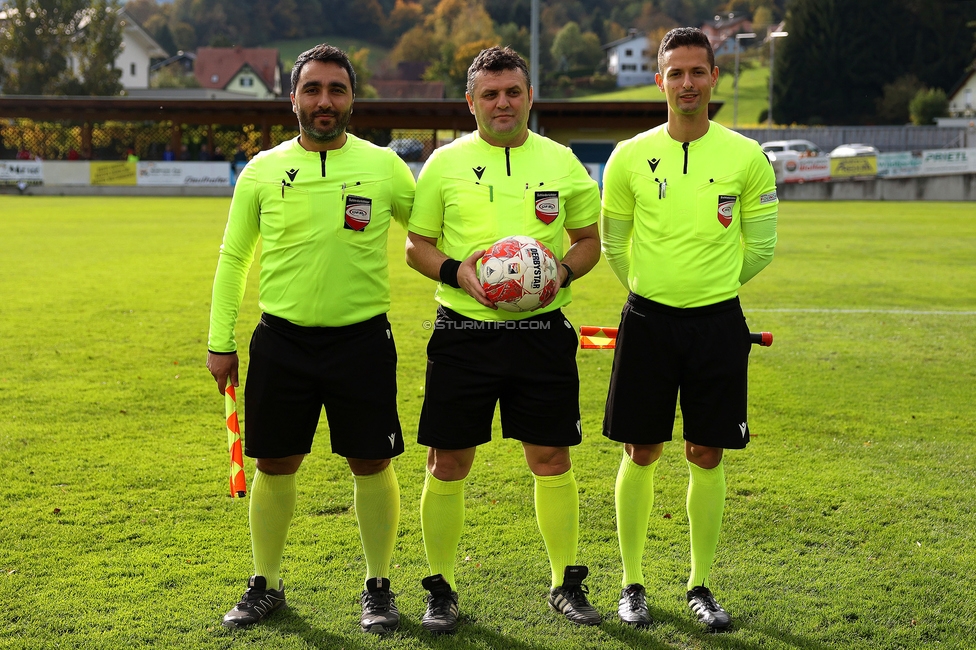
column 628, row 52
column 247, row 81
column 643, row 52
column 214, row 78
column 643, row 67
column 632, row 67
column 132, row 69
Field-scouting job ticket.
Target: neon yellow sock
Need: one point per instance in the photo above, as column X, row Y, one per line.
column 377, row 501
column 557, row 510
column 634, row 497
column 272, row 505
column 706, row 503
column 441, row 520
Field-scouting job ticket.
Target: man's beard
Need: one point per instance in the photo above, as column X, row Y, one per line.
column 307, row 122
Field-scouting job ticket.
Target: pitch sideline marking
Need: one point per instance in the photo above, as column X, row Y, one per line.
column 906, row 312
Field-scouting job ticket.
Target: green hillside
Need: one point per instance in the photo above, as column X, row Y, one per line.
column 753, row 95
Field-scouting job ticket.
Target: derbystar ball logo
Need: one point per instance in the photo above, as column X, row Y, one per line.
column 536, row 281
column 547, row 206
column 358, row 212
column 725, row 205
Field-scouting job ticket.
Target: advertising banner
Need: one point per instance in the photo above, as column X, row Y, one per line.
column 854, row 167
column 186, row 174
column 931, row 162
column 113, row 173
column 948, row 161
column 899, row 164
column 806, row 170
column 21, row 171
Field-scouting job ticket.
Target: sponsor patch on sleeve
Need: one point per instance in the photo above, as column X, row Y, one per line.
column 768, row 197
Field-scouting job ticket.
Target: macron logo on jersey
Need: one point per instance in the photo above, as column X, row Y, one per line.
column 478, row 171
column 292, row 173
column 654, row 162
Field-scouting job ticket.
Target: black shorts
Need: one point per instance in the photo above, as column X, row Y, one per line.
column 294, row 371
column 529, row 366
column 701, row 351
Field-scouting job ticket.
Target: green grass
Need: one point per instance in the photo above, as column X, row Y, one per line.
column 849, row 520
column 753, row 94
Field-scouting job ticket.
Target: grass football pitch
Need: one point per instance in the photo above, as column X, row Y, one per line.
column 850, row 517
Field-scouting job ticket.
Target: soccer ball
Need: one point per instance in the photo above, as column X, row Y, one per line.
column 518, row 273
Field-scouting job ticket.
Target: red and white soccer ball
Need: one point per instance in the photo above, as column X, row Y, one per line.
column 518, row 273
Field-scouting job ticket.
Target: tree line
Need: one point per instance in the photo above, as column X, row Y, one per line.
column 866, row 61
column 844, row 61
column 59, row 47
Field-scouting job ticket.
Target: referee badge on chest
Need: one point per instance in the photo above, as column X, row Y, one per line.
column 546, row 206
column 358, row 212
column 725, row 205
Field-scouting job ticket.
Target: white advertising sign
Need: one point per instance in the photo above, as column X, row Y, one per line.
column 931, row 162
column 899, row 164
column 187, row 174
column 948, row 161
column 27, row 171
column 805, row 170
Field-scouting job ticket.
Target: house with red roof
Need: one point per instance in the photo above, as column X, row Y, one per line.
column 253, row 71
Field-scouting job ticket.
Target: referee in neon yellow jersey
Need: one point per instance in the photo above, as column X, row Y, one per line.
column 501, row 180
column 689, row 215
column 322, row 205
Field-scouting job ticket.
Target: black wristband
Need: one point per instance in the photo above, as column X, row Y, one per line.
column 222, row 353
column 449, row 272
column 569, row 275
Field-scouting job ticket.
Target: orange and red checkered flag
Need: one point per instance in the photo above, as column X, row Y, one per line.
column 238, row 484
column 605, row 338
column 598, row 338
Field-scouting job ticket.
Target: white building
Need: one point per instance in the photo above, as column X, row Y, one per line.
column 962, row 97
column 138, row 51
column 631, row 59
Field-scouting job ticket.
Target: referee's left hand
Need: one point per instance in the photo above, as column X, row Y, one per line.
column 561, row 276
column 224, row 368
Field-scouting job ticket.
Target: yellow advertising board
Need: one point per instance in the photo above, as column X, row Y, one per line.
column 113, row 173
column 854, row 167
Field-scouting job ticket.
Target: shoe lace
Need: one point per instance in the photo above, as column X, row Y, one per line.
column 707, row 599
column 635, row 598
column 576, row 594
column 439, row 604
column 377, row 600
column 253, row 597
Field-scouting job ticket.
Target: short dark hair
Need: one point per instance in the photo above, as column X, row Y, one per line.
column 325, row 54
column 684, row 37
column 496, row 59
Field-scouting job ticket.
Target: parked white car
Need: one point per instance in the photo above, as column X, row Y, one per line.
column 800, row 147
column 851, row 150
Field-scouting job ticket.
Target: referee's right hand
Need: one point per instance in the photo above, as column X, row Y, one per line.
column 223, row 367
column 468, row 279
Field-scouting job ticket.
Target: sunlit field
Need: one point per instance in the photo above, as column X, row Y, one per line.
column 849, row 521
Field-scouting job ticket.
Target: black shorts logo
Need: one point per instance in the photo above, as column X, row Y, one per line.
column 358, row 212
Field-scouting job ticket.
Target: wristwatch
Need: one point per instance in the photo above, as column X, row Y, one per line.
column 569, row 275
